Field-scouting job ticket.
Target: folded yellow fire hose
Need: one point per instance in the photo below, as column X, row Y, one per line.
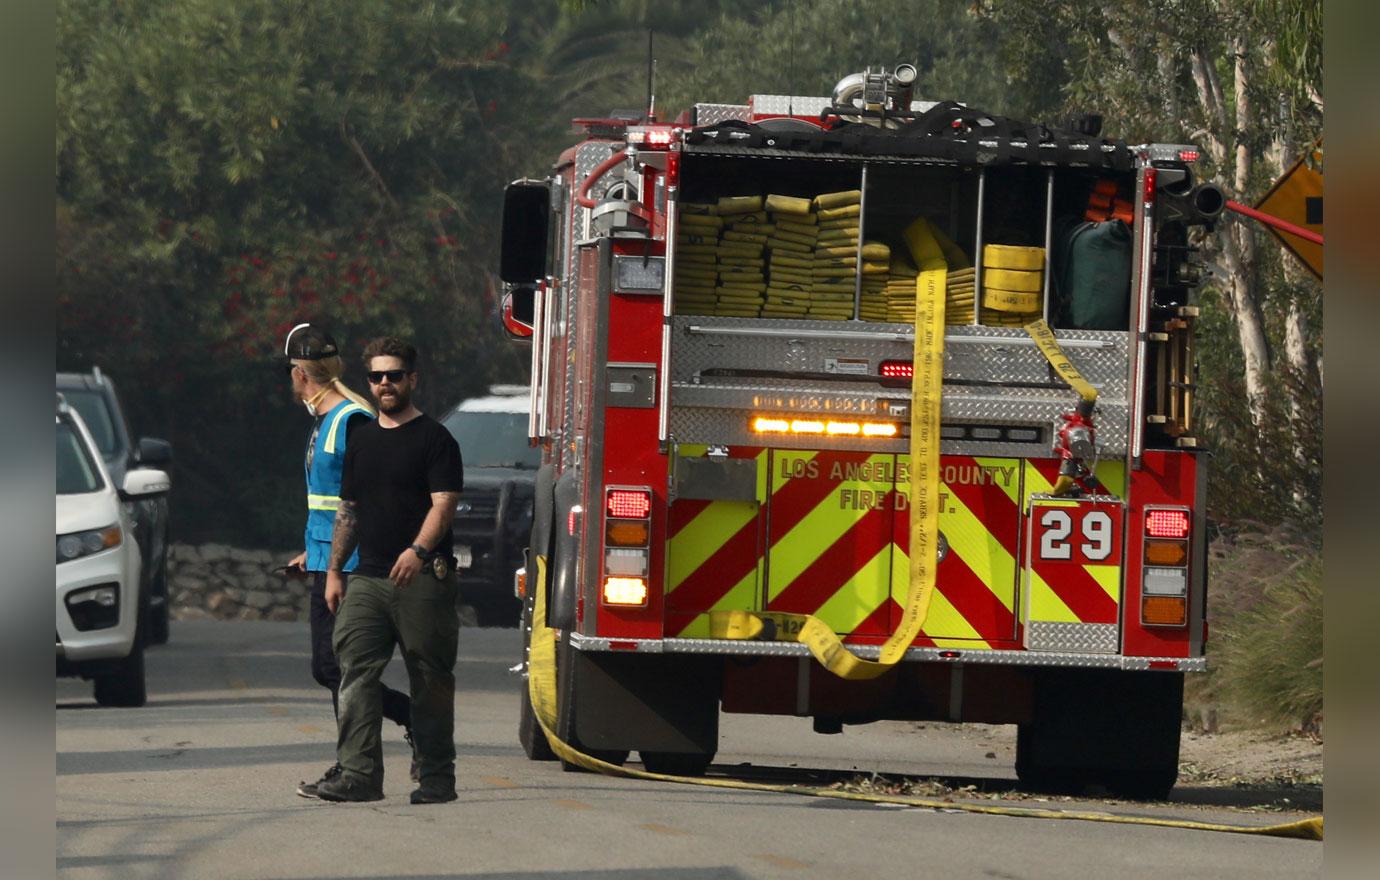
column 819, row 637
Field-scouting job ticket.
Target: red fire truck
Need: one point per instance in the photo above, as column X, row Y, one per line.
column 721, row 318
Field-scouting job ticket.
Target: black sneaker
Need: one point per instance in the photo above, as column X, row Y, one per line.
column 415, row 772
column 343, row 788
column 434, row 794
column 308, row 789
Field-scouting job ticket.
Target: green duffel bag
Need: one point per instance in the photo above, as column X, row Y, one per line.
column 1091, row 274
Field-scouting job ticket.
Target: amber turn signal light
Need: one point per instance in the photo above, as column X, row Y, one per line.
column 1166, row 552
column 627, row 533
column 1164, row 611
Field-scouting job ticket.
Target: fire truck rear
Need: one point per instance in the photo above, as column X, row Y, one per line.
column 721, row 313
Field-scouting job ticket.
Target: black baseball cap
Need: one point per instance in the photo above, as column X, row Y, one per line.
column 306, row 343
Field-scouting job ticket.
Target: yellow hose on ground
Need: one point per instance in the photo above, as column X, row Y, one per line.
column 541, row 689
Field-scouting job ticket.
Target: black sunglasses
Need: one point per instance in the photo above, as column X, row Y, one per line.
column 289, row 367
column 376, row 377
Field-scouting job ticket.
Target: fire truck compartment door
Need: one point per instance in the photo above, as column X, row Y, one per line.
column 839, row 531
column 974, row 604
column 1072, row 575
column 710, row 479
column 714, row 537
column 831, row 525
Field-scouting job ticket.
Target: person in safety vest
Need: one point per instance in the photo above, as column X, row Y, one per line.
column 313, row 363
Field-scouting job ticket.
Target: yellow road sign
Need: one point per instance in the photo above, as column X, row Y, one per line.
column 1298, row 197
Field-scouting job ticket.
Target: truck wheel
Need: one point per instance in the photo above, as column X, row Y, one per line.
column 676, row 764
column 566, row 658
column 125, row 686
column 1118, row 729
column 1142, row 785
column 530, row 734
column 156, row 632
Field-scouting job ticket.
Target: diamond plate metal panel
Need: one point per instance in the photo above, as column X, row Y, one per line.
column 1085, row 638
column 587, row 158
column 871, row 652
column 710, row 114
column 993, row 376
column 787, row 105
column 801, row 105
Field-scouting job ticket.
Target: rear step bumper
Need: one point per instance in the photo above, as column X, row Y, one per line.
column 870, row 652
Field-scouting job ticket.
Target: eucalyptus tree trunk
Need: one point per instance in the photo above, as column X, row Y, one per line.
column 1226, row 140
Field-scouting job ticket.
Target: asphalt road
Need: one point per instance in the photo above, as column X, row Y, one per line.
column 200, row 783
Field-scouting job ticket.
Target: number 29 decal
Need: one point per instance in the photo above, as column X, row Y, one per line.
column 1086, row 533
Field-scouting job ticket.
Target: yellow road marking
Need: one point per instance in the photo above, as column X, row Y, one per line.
column 499, row 781
column 573, row 805
column 664, row 829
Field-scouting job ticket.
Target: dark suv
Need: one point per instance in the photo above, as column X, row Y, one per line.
column 93, row 395
column 494, row 517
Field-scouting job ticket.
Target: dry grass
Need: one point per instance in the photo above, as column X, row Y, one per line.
column 1265, row 608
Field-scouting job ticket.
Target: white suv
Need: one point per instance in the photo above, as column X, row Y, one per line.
column 98, row 595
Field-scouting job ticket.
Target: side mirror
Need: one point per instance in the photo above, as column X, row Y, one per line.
column 153, row 452
column 526, row 225
column 145, row 481
column 519, row 312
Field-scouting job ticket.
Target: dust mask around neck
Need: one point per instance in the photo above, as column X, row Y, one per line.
column 311, row 402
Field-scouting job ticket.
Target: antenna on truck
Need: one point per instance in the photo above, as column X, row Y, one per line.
column 651, row 80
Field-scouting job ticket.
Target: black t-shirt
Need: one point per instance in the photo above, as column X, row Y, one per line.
column 390, row 474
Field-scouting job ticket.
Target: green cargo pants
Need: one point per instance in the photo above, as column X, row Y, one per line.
column 421, row 617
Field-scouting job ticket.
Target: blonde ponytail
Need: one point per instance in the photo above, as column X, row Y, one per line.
column 350, row 393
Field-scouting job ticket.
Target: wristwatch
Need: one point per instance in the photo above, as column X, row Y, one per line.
column 421, row 551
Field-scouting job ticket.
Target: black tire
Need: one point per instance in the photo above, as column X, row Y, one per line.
column 1116, row 729
column 1038, row 777
column 1142, row 785
column 675, row 764
column 156, row 623
column 124, row 687
column 566, row 658
column 530, row 735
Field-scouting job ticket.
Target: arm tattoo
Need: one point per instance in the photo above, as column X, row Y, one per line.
column 345, row 536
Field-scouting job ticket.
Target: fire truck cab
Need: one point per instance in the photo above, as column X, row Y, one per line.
column 720, row 312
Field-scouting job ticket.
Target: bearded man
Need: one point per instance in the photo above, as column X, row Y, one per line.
column 401, row 480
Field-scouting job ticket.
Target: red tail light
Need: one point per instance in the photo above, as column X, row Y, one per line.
column 897, row 369
column 629, row 503
column 1166, row 523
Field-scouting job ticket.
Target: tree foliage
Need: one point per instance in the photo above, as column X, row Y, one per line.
column 228, row 168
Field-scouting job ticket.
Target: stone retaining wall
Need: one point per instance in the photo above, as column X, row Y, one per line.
column 215, row 581
column 229, row 583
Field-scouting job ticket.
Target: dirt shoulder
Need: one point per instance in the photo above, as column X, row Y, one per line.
column 1243, row 771
column 1251, row 769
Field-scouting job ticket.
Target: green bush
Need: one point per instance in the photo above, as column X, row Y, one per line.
column 1265, row 608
